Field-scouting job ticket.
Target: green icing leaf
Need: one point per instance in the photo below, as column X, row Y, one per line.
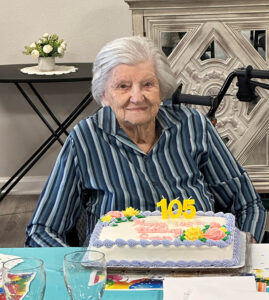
column 140, row 216
column 205, row 228
column 182, row 237
column 120, row 220
column 225, row 238
column 203, row 240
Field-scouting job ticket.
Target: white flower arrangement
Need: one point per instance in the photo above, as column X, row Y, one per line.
column 46, row 46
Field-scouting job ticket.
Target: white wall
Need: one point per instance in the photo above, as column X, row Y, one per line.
column 86, row 25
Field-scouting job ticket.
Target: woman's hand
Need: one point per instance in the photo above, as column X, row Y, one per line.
column 250, row 238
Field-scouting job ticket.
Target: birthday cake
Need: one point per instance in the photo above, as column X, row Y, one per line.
column 132, row 238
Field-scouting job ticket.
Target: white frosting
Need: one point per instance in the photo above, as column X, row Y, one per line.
column 162, row 253
column 129, row 230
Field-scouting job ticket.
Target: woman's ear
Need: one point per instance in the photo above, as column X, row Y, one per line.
column 105, row 99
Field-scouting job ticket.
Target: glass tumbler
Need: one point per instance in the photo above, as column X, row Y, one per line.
column 24, row 278
column 85, row 274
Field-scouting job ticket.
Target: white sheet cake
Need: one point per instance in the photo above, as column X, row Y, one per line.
column 147, row 240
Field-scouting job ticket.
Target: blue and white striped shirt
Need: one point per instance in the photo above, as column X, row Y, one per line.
column 188, row 160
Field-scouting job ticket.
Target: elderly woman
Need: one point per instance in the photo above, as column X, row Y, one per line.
column 134, row 151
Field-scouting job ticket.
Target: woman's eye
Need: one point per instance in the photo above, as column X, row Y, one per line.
column 148, row 83
column 123, row 86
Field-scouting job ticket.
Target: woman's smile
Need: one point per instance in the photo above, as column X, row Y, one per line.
column 133, row 93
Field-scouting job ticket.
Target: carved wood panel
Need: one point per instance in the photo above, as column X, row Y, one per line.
column 188, row 33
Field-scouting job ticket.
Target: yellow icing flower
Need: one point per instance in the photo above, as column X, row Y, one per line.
column 194, row 233
column 130, row 212
column 106, row 218
column 223, row 229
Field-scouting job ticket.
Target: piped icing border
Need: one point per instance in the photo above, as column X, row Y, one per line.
column 226, row 263
column 230, row 224
column 96, row 242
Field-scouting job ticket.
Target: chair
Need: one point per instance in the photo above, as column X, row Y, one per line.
column 246, row 93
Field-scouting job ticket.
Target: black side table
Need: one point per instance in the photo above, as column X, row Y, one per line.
column 12, row 74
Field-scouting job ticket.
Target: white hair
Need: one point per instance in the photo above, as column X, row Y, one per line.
column 131, row 51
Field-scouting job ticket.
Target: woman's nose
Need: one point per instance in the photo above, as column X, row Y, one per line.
column 137, row 94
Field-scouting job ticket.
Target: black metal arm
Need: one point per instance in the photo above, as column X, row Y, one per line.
column 246, row 90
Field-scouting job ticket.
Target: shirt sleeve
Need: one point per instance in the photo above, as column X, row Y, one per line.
column 231, row 186
column 59, row 204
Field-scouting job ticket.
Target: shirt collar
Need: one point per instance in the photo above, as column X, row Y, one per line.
column 106, row 120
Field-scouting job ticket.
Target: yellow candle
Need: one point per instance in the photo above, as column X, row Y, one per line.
column 170, row 209
column 163, row 205
column 188, row 204
column 188, row 209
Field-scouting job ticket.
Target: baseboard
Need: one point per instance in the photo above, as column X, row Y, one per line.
column 28, row 185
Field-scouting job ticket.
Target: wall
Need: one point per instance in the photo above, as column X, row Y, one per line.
column 86, row 25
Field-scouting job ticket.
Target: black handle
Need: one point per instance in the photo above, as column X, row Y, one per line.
column 252, row 73
column 195, row 99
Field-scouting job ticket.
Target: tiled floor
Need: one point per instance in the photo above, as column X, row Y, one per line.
column 15, row 214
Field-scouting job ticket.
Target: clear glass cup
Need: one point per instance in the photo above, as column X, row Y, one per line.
column 85, row 274
column 25, row 278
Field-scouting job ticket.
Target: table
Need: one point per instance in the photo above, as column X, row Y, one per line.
column 55, row 288
column 12, row 74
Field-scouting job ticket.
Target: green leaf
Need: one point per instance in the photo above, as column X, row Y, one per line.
column 206, row 227
column 120, row 220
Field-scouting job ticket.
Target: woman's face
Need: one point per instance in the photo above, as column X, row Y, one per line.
column 133, row 93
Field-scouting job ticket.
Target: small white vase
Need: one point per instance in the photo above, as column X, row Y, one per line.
column 46, row 64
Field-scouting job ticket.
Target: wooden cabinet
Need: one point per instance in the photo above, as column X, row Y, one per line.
column 205, row 41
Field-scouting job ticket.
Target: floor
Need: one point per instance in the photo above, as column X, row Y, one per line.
column 15, row 213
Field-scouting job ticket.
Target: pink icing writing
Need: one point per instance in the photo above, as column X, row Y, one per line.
column 145, row 236
column 176, row 224
column 174, row 231
column 161, row 230
column 189, row 224
column 139, row 222
column 155, row 228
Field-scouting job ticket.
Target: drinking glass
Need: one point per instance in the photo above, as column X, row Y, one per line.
column 85, row 274
column 25, row 278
